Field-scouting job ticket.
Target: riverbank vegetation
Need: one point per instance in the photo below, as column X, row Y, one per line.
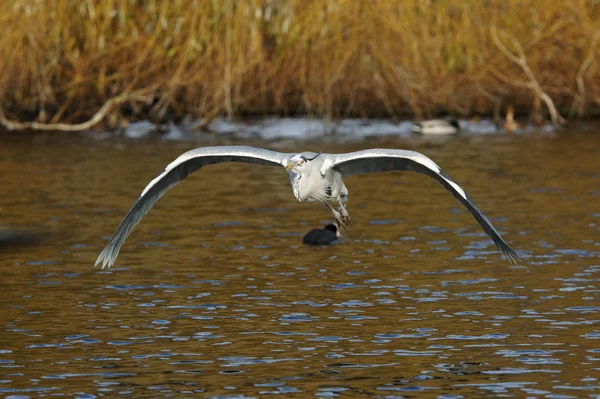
column 70, row 64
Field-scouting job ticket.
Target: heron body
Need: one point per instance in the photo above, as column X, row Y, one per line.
column 311, row 182
column 314, row 177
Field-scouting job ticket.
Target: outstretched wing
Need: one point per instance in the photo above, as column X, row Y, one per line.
column 175, row 172
column 382, row 160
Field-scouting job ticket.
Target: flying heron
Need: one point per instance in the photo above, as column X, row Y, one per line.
column 314, row 177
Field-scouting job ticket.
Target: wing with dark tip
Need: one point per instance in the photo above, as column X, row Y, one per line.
column 382, row 160
column 175, row 172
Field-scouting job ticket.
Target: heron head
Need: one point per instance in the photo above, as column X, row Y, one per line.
column 299, row 162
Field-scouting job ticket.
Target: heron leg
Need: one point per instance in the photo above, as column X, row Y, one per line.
column 339, row 218
column 344, row 213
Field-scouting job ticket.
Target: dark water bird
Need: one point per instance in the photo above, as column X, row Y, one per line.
column 12, row 237
column 436, row 127
column 324, row 236
column 314, row 177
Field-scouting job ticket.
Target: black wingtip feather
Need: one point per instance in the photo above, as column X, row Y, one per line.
column 483, row 221
column 508, row 252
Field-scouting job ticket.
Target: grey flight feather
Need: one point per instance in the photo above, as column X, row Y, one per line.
column 381, row 160
column 175, row 172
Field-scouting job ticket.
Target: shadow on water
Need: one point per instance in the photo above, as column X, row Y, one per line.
column 214, row 292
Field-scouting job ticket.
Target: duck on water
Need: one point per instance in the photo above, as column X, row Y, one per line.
column 436, row 127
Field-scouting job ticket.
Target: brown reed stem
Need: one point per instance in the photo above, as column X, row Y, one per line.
column 581, row 73
column 65, row 127
column 521, row 60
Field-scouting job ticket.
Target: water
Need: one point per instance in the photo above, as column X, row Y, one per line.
column 214, row 295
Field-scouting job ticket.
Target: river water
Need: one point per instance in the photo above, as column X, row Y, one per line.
column 213, row 295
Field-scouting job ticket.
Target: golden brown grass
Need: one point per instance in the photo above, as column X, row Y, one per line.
column 61, row 60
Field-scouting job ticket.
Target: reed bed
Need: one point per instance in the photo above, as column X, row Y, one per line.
column 66, row 61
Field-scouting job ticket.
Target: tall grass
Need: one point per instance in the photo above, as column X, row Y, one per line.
column 61, row 60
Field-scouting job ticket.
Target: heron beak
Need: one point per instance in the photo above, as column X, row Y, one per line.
column 290, row 165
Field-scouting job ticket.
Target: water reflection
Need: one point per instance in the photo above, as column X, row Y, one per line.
column 215, row 295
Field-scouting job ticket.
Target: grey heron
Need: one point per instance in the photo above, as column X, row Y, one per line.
column 436, row 127
column 314, row 177
column 324, row 236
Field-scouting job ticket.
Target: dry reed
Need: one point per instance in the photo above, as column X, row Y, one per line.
column 61, row 61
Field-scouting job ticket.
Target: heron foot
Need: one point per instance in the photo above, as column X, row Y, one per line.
column 346, row 221
column 344, row 214
column 342, row 223
column 340, row 218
